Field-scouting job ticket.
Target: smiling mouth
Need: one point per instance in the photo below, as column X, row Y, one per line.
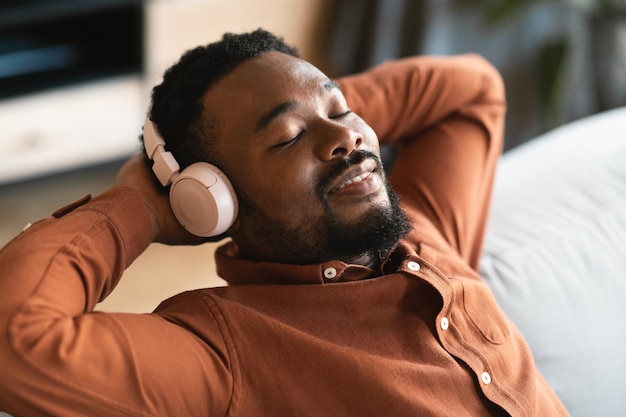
column 359, row 180
column 355, row 176
column 353, row 180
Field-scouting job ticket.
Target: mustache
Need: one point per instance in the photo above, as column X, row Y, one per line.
column 343, row 164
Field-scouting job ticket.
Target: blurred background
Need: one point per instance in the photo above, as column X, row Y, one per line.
column 75, row 78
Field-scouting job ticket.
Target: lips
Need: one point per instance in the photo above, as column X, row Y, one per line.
column 355, row 174
column 358, row 178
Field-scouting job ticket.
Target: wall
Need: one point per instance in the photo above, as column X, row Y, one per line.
column 174, row 26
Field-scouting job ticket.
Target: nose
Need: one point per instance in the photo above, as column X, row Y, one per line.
column 336, row 141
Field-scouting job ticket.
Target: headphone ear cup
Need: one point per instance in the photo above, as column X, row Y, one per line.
column 203, row 200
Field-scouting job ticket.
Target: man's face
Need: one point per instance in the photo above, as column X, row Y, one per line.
column 306, row 169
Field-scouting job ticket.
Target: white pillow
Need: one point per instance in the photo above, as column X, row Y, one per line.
column 555, row 258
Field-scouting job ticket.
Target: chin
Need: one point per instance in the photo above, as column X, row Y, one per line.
column 374, row 202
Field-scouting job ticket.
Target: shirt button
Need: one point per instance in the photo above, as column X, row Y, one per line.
column 486, row 378
column 330, row 273
column 444, row 323
column 413, row 266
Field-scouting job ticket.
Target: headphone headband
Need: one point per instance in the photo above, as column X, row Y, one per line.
column 165, row 166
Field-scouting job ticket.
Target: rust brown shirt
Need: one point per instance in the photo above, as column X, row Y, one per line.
column 422, row 336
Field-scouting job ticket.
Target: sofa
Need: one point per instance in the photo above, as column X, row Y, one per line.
column 555, row 257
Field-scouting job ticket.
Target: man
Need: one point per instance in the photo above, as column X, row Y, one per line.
column 342, row 301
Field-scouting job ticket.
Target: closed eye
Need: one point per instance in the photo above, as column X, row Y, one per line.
column 340, row 115
column 290, row 141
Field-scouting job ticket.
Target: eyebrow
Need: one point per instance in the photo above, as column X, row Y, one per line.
column 288, row 106
column 329, row 85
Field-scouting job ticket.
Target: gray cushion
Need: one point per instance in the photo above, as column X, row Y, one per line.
column 555, row 257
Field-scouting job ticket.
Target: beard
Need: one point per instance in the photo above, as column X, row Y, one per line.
column 372, row 236
column 328, row 237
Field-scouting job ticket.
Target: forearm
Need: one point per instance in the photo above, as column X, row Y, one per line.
column 85, row 248
column 56, row 271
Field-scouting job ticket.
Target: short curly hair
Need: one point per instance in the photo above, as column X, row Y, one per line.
column 177, row 102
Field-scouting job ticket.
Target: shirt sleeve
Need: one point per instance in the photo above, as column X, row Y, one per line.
column 446, row 116
column 59, row 357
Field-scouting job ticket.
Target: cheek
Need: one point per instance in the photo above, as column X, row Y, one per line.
column 286, row 189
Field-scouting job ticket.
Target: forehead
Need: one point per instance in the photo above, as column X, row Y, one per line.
column 262, row 83
column 271, row 70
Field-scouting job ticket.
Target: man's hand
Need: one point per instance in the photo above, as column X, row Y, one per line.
column 136, row 174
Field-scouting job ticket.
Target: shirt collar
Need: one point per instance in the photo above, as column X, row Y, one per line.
column 238, row 271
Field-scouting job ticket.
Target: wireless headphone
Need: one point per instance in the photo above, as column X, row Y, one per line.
column 202, row 198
